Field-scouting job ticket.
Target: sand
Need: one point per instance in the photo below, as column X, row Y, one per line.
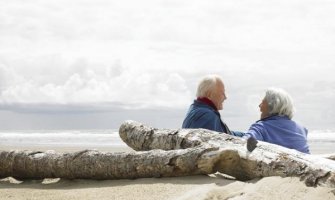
column 205, row 187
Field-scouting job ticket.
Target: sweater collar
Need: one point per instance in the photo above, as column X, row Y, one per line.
column 207, row 101
column 273, row 117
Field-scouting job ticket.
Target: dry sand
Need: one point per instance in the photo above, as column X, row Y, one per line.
column 212, row 187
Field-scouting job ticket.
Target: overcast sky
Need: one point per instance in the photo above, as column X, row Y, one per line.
column 95, row 63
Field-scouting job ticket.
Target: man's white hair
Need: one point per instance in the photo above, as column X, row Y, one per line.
column 207, row 84
column 279, row 102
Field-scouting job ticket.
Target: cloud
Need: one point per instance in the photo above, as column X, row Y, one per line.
column 251, row 25
column 7, row 77
column 91, row 84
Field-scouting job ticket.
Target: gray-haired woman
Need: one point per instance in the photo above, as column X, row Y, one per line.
column 276, row 125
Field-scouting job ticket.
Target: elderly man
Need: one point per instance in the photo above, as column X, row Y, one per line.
column 204, row 112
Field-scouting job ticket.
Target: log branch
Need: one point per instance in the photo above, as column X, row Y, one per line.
column 90, row 164
column 232, row 157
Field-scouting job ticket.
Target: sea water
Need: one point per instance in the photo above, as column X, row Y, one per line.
column 61, row 138
column 320, row 141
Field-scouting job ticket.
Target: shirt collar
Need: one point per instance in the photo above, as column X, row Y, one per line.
column 273, row 117
column 207, row 101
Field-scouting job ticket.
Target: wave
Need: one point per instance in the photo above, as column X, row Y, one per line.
column 88, row 138
column 103, row 138
column 324, row 136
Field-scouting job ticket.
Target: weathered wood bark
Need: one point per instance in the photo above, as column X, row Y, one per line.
column 331, row 157
column 90, row 164
column 228, row 154
column 171, row 153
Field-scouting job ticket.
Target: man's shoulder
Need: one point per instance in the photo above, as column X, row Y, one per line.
column 204, row 111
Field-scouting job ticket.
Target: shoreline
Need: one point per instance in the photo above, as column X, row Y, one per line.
column 67, row 148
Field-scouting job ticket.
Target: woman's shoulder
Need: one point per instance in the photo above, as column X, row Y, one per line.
column 258, row 125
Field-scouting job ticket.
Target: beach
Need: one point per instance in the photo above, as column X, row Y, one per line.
column 180, row 188
column 200, row 187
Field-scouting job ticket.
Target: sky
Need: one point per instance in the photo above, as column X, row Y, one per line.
column 92, row 64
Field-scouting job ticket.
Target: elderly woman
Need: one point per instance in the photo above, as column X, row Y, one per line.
column 276, row 125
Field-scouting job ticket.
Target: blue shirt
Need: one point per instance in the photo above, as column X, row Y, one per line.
column 282, row 131
column 201, row 115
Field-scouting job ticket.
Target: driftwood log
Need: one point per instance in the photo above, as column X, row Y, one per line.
column 166, row 152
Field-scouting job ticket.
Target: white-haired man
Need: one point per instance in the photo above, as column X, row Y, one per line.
column 276, row 125
column 204, row 112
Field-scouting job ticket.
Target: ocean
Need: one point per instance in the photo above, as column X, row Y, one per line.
column 61, row 138
column 320, row 141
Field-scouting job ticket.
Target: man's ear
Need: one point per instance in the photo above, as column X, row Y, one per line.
column 209, row 94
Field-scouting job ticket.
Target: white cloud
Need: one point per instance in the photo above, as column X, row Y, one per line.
column 137, row 88
column 7, row 77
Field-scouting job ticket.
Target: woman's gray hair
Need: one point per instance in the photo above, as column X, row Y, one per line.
column 279, row 102
column 207, row 84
